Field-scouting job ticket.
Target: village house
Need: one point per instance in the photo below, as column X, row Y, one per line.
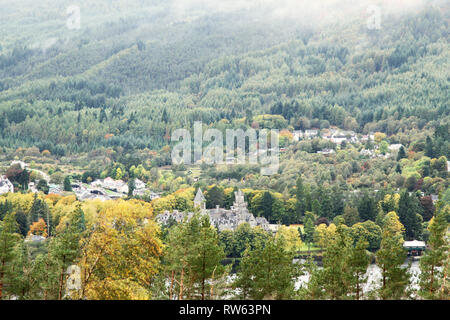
column 22, row 164
column 434, row 198
column 395, row 147
column 338, row 136
column 5, row 185
column 297, row 135
column 326, row 152
column 311, row 133
column 34, row 238
column 55, row 189
column 111, row 184
column 367, row 153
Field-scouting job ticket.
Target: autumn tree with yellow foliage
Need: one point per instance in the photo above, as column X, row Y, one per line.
column 120, row 253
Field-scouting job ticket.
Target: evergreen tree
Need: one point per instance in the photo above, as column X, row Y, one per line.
column 67, row 184
column 23, row 284
column 431, row 277
column 401, row 153
column 344, row 267
column 22, row 223
column 40, row 210
column 5, row 208
column 8, row 240
column 390, row 258
column 266, row 205
column 409, row 212
column 326, row 206
column 43, row 186
column 429, row 150
column 367, row 208
column 205, row 265
column 215, row 197
column 300, row 196
column 194, row 259
column 267, row 271
column 350, row 216
column 337, row 201
column 309, row 230
column 316, row 209
column 131, row 187
column 358, row 264
column 64, row 248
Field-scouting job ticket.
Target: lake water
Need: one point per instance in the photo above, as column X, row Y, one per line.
column 374, row 277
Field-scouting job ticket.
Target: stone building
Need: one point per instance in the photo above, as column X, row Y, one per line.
column 222, row 219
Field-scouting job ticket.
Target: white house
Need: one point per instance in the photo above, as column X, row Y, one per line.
column 139, row 184
column 311, row 133
column 297, row 135
column 22, row 164
column 5, row 185
column 111, row 184
column 395, row 147
column 326, row 151
column 367, row 152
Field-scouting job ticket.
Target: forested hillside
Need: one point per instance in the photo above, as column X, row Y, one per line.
column 93, row 207
column 130, row 81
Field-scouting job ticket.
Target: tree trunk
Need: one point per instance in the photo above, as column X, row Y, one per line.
column 211, row 295
column 203, row 276
column 61, row 281
column 357, row 287
column 171, row 285
column 2, row 275
column 432, row 280
column 181, row 285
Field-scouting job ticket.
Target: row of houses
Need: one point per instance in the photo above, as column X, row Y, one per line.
column 104, row 189
column 334, row 135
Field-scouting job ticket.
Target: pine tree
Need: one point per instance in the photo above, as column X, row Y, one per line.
column 300, row 196
column 267, row 271
column 401, row 153
column 435, row 256
column 40, row 210
column 350, row 216
column 326, row 206
column 131, row 187
column 43, row 186
column 266, row 205
column 194, row 259
column 8, row 240
column 67, row 184
column 309, row 230
column 409, row 213
column 23, row 284
column 215, row 197
column 64, row 248
column 367, row 208
column 337, row 201
column 429, row 149
column 358, row 264
column 390, row 258
column 22, row 222
column 206, row 265
column 316, row 208
column 5, row 208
